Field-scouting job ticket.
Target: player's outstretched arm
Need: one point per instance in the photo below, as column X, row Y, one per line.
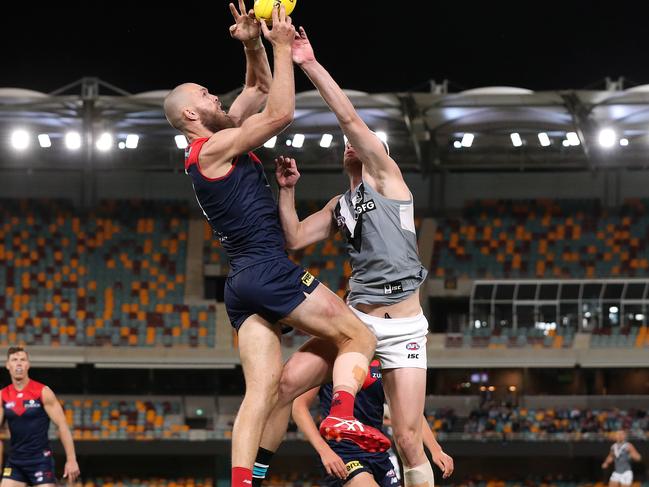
column 333, row 464
column 608, row 460
column 635, row 454
column 246, row 29
column 55, row 412
column 441, row 459
column 280, row 107
column 316, row 227
column 370, row 149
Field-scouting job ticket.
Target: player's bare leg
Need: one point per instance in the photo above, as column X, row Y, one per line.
column 261, row 360
column 405, row 389
column 325, row 315
column 363, row 479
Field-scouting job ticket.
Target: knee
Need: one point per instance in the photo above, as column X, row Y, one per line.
column 408, row 443
column 265, row 393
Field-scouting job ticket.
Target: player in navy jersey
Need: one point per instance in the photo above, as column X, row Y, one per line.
column 28, row 407
column 345, row 463
column 264, row 289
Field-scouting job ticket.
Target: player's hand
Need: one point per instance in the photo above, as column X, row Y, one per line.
column 302, row 49
column 71, row 471
column 286, row 172
column 444, row 462
column 283, row 31
column 246, row 26
column 333, row 464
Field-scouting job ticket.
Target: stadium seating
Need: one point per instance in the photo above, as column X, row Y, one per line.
column 563, row 337
column 543, row 238
column 110, row 276
column 620, row 337
column 144, row 482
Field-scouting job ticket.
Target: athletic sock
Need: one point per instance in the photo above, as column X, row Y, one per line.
column 241, row 477
column 260, row 469
column 342, row 404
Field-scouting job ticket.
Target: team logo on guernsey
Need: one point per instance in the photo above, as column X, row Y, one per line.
column 353, row 466
column 307, row 278
column 412, row 346
column 10, row 405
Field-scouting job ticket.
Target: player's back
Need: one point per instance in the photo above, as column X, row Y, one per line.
column 28, row 422
column 240, row 209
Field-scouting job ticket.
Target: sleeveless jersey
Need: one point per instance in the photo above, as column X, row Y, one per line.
column 622, row 457
column 240, row 208
column 368, row 406
column 28, row 422
column 382, row 246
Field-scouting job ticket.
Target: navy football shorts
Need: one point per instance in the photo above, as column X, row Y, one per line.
column 269, row 289
column 30, row 473
column 378, row 465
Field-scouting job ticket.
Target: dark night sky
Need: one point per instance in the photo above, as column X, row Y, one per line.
column 141, row 46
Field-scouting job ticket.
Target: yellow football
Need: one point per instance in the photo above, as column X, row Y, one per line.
column 264, row 8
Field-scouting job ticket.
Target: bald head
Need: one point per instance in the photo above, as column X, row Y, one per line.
column 177, row 101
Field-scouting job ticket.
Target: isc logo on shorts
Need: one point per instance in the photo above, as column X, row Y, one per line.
column 353, row 465
column 307, row 278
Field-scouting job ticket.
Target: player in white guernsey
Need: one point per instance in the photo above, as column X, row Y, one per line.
column 376, row 215
column 621, row 454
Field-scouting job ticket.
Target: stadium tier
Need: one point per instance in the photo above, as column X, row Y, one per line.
column 112, row 276
column 543, row 239
column 510, row 338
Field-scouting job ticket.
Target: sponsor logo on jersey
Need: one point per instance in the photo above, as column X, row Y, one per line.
column 307, row 278
column 31, row 404
column 353, row 466
column 47, row 453
column 10, row 405
column 392, row 288
column 412, row 346
column 364, row 207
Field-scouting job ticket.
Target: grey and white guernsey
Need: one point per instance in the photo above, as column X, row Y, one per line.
column 622, row 457
column 382, row 246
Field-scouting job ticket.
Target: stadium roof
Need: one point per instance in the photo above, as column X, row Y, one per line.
column 426, row 130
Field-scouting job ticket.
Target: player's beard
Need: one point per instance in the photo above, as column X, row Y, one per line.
column 214, row 121
column 352, row 165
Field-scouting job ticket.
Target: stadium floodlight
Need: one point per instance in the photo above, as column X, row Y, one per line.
column 73, row 140
column 613, row 310
column 624, row 142
column 457, row 144
column 121, row 145
column 383, row 137
column 512, row 388
column 132, row 141
column 20, row 139
column 270, row 143
column 639, row 317
column 326, row 140
column 289, row 142
column 298, row 141
column 565, row 143
column 544, row 140
column 516, row 139
column 44, row 141
column 572, row 138
column 104, row 142
column 181, row 141
column 491, row 388
column 607, row 138
column 467, row 140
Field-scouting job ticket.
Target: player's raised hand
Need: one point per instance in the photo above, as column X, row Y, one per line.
column 302, row 49
column 246, row 26
column 286, row 172
column 71, row 471
column 283, row 31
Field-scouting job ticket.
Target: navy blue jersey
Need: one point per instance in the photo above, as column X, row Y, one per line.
column 368, row 406
column 240, row 209
column 28, row 422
